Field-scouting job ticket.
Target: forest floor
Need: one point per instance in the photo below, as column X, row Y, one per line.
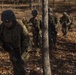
column 62, row 59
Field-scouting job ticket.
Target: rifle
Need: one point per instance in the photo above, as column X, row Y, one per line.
column 7, row 47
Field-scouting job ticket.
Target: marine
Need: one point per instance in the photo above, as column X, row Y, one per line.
column 36, row 27
column 53, row 20
column 13, row 34
column 65, row 22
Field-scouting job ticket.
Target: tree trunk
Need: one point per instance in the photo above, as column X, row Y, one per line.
column 31, row 4
column 53, row 3
column 45, row 41
column 2, row 4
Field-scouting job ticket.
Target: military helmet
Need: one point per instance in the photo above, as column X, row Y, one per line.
column 8, row 15
column 50, row 10
column 34, row 12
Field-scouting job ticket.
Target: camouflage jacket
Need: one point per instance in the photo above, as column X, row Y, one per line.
column 53, row 20
column 16, row 36
column 36, row 25
column 65, row 21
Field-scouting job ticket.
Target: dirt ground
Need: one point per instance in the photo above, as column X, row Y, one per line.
column 62, row 59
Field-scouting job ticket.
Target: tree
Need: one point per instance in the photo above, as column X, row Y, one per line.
column 53, row 3
column 31, row 4
column 2, row 4
column 45, row 41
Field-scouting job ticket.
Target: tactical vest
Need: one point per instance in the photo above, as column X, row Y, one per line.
column 52, row 22
column 35, row 25
column 64, row 20
column 12, row 36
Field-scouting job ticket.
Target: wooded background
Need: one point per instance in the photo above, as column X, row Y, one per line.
column 58, row 5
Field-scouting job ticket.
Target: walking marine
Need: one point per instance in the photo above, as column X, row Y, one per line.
column 52, row 27
column 36, row 27
column 65, row 21
column 14, row 40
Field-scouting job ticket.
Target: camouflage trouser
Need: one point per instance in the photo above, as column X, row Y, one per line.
column 18, row 67
column 64, row 30
column 36, row 40
column 52, row 39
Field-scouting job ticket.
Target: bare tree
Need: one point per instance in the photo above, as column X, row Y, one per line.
column 45, row 41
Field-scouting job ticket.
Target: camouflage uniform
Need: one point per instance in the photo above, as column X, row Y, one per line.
column 36, row 26
column 65, row 22
column 16, row 37
column 52, row 28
